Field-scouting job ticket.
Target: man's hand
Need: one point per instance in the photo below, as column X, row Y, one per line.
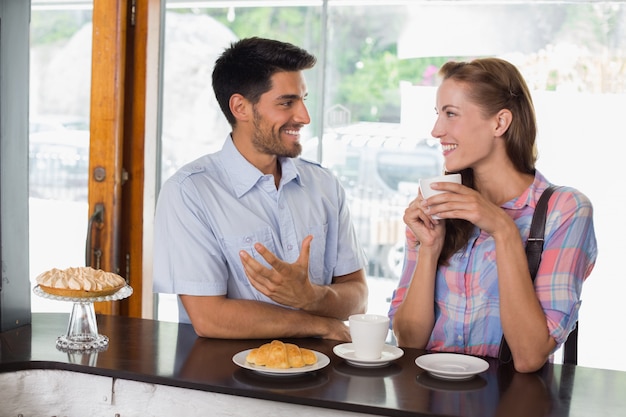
column 285, row 283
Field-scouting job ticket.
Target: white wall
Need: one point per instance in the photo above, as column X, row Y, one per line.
column 581, row 137
column 71, row 394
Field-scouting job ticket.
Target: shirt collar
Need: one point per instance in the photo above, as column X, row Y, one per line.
column 531, row 195
column 244, row 176
column 289, row 171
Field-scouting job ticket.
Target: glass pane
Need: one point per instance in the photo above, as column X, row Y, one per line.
column 373, row 107
column 193, row 123
column 60, row 83
column 381, row 62
column 376, row 154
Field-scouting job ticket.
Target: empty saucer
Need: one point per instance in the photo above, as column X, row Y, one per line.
column 346, row 351
column 452, row 366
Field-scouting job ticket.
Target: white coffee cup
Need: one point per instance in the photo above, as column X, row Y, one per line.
column 369, row 333
column 428, row 192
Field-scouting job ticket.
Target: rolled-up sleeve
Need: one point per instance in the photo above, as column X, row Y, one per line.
column 569, row 255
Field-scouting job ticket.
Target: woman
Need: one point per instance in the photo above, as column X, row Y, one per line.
column 466, row 280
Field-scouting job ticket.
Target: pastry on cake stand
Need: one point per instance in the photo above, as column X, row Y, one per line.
column 82, row 328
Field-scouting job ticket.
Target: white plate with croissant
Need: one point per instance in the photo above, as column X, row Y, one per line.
column 281, row 359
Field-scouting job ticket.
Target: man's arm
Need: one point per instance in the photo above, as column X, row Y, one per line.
column 347, row 295
column 221, row 317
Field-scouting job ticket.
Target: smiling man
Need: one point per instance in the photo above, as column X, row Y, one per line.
column 256, row 242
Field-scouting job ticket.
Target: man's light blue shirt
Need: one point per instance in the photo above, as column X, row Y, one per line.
column 220, row 204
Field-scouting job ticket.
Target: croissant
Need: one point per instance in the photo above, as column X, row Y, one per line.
column 279, row 355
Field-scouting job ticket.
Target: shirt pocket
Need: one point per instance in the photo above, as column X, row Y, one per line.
column 318, row 270
column 234, row 244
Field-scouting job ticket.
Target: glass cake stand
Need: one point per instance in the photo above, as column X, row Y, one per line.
column 82, row 328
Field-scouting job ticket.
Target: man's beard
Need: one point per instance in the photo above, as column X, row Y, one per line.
column 268, row 141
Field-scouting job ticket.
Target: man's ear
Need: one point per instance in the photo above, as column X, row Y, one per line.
column 503, row 121
column 240, row 107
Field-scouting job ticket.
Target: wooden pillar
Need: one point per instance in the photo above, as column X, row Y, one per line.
column 123, row 130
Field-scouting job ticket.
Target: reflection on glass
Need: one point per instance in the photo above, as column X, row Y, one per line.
column 60, row 84
column 372, row 94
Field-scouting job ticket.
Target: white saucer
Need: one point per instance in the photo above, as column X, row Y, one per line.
column 452, row 366
column 346, row 351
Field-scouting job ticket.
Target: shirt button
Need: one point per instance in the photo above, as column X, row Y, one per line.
column 459, row 338
column 289, row 247
column 248, row 239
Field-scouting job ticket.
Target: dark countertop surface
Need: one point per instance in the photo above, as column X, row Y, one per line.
column 171, row 354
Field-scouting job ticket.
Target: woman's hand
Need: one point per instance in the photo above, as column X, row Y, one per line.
column 461, row 202
column 426, row 229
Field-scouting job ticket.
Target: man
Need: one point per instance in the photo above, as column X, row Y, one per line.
column 257, row 242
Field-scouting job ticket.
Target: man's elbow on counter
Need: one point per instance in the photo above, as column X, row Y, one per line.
column 206, row 329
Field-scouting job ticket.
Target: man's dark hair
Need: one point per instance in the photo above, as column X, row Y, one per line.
column 246, row 68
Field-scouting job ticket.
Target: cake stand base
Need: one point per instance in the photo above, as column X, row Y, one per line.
column 82, row 330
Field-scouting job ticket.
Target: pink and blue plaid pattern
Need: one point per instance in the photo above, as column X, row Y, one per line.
column 467, row 317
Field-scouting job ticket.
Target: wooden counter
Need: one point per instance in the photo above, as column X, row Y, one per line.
column 170, row 354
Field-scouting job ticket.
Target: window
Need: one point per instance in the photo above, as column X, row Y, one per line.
column 60, row 77
column 376, row 74
column 371, row 100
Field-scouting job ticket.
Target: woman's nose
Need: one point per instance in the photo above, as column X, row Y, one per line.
column 437, row 131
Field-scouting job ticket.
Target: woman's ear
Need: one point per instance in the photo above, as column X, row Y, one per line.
column 240, row 107
column 503, row 119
